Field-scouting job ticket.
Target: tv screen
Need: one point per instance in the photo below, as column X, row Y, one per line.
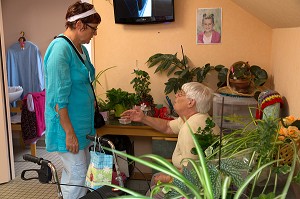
column 143, row 11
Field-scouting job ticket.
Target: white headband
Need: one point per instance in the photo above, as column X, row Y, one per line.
column 82, row 15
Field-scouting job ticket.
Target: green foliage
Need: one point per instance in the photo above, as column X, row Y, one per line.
column 99, row 74
column 182, row 73
column 232, row 168
column 119, row 96
column 259, row 75
column 180, row 69
column 103, row 105
column 141, row 82
column 222, row 75
column 242, row 70
column 241, row 164
column 141, row 86
column 267, row 135
column 267, row 196
column 205, row 136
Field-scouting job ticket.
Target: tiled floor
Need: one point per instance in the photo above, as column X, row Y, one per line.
column 33, row 189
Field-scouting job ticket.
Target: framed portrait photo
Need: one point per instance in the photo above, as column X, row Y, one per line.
column 209, row 26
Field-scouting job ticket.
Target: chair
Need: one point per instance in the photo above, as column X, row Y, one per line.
column 16, row 126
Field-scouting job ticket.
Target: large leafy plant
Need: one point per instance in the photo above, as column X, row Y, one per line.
column 179, row 68
column 181, row 72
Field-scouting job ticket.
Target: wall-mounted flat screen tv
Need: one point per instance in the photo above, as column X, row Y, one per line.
column 143, row 11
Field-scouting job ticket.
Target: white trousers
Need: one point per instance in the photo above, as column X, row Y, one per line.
column 74, row 172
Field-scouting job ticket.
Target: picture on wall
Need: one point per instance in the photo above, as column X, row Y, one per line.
column 209, row 25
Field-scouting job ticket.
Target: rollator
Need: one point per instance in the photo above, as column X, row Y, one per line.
column 47, row 174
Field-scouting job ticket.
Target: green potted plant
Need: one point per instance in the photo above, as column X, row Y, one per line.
column 241, row 76
column 103, row 105
column 120, row 100
column 104, row 108
column 181, row 71
column 141, row 84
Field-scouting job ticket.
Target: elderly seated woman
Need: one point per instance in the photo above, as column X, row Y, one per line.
column 192, row 104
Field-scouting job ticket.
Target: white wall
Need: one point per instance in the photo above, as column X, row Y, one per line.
column 41, row 20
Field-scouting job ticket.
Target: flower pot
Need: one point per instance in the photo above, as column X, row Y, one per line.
column 240, row 85
column 105, row 115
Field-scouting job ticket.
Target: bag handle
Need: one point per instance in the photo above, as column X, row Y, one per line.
column 99, row 144
column 71, row 44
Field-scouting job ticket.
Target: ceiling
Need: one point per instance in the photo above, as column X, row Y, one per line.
column 274, row 13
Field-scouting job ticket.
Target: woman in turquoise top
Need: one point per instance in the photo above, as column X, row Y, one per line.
column 69, row 113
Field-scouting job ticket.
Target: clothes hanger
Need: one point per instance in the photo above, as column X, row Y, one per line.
column 22, row 40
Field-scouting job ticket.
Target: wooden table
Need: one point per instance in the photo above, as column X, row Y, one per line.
column 132, row 129
column 139, row 132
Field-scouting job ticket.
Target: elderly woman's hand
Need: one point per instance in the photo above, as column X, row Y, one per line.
column 135, row 114
column 164, row 178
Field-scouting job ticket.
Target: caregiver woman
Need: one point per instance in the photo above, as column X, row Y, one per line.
column 69, row 113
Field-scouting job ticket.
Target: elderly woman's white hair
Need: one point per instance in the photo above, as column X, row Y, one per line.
column 200, row 93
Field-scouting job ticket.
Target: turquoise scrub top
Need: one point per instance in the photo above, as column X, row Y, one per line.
column 67, row 83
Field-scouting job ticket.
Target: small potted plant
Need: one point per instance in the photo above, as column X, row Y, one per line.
column 141, row 86
column 241, row 76
column 104, row 108
column 120, row 100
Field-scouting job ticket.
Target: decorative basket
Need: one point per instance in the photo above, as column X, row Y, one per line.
column 286, row 152
column 235, row 87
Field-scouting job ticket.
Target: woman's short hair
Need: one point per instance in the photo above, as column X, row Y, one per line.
column 78, row 8
column 200, row 93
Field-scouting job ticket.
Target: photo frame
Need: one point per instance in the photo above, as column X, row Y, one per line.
column 209, row 26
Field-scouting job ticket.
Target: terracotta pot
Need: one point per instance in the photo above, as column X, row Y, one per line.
column 240, row 85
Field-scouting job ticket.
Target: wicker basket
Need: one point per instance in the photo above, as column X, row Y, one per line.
column 232, row 90
column 286, row 153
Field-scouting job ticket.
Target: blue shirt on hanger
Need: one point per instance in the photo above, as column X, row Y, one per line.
column 25, row 67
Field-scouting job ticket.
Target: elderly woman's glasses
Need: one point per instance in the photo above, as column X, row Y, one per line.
column 93, row 28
